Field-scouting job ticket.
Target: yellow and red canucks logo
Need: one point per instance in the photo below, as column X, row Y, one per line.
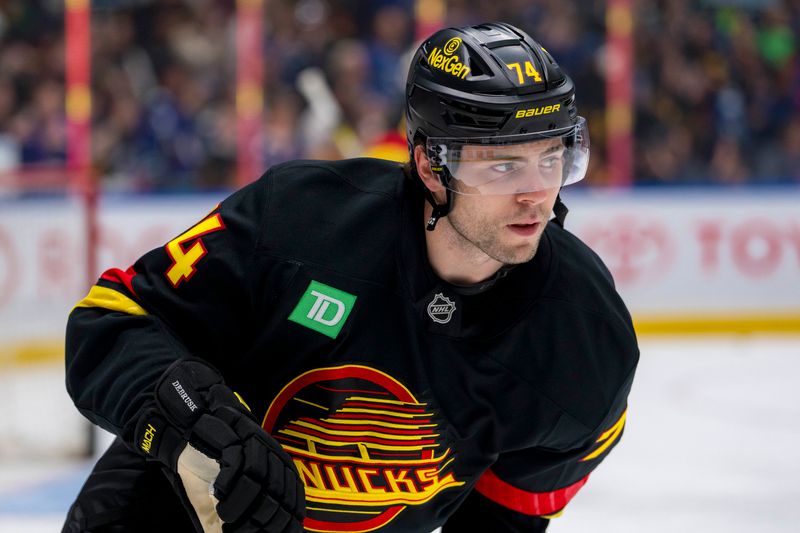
column 364, row 446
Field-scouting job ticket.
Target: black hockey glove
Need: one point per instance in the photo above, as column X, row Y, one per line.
column 234, row 475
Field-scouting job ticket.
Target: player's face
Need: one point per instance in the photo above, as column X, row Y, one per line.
column 508, row 227
column 505, row 228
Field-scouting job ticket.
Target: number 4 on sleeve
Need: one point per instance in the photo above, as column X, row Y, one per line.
column 184, row 256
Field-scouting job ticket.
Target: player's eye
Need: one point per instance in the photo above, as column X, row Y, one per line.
column 550, row 165
column 505, row 167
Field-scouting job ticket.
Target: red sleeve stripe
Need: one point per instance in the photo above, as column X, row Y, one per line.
column 529, row 503
column 118, row 276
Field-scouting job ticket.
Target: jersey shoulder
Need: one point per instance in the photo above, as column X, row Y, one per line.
column 358, row 175
column 334, row 214
column 592, row 356
column 581, row 278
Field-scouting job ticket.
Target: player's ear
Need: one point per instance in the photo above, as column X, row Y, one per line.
column 429, row 179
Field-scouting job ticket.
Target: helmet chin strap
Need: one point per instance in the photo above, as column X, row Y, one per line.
column 439, row 210
column 560, row 210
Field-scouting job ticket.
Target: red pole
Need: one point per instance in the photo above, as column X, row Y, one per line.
column 619, row 91
column 79, row 98
column 77, row 27
column 249, row 89
column 78, row 107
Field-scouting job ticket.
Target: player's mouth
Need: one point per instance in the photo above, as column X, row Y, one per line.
column 525, row 229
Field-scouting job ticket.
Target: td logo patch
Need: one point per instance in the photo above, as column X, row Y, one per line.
column 364, row 446
column 323, row 308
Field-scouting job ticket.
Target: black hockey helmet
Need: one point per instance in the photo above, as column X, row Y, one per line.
column 489, row 85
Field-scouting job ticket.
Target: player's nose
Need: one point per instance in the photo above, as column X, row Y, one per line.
column 532, row 197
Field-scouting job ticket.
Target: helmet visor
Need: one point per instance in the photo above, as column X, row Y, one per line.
column 512, row 164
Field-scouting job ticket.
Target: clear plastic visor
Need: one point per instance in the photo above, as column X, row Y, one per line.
column 512, row 164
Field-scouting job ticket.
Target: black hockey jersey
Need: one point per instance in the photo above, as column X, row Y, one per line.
column 398, row 396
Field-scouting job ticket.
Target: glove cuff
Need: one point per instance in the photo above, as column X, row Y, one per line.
column 181, row 398
column 156, row 438
column 182, row 390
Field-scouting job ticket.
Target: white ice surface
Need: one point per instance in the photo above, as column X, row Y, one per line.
column 711, row 446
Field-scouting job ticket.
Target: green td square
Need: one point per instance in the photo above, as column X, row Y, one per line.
column 323, row 309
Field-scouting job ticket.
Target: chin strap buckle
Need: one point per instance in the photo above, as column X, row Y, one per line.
column 560, row 210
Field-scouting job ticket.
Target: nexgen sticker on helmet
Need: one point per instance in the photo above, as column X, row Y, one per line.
column 446, row 60
column 452, row 45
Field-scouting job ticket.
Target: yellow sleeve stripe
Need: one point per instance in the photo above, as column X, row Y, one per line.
column 112, row 300
column 241, row 400
column 608, row 437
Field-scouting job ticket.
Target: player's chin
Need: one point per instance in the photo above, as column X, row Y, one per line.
column 519, row 254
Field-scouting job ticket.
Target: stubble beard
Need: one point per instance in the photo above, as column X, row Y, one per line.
column 486, row 237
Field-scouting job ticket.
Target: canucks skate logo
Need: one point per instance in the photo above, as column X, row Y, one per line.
column 364, row 446
column 441, row 309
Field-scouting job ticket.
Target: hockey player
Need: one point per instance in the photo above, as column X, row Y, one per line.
column 361, row 346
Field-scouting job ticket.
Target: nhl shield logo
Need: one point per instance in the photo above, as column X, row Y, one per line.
column 441, row 309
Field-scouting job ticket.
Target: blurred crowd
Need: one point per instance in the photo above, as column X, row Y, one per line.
column 718, row 91
column 717, row 84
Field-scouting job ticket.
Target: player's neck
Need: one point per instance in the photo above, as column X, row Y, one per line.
column 453, row 258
